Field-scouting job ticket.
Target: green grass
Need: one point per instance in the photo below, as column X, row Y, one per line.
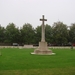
column 16, row 61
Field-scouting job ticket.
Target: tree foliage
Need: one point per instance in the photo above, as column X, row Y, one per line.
column 58, row 34
column 27, row 34
column 2, row 34
column 38, row 34
column 48, row 33
column 12, row 33
column 72, row 33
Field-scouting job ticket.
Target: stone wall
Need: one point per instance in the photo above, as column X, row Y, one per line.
column 54, row 47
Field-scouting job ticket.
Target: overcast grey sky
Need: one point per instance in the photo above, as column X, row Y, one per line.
column 30, row 11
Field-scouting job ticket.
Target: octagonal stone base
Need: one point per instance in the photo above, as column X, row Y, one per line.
column 43, row 53
column 43, row 50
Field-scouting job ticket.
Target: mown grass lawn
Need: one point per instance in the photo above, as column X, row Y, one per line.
column 16, row 61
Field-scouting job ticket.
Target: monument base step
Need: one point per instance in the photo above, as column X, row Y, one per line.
column 43, row 49
column 47, row 52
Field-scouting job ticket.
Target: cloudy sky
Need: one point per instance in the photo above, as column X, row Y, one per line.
column 30, row 11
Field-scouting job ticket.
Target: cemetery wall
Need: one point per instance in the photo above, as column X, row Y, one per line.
column 58, row 47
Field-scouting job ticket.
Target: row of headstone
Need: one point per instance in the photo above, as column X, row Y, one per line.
column 31, row 46
column 25, row 46
column 61, row 47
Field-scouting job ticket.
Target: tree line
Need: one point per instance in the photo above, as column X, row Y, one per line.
column 57, row 34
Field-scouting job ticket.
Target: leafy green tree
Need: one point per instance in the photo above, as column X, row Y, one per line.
column 48, row 34
column 2, row 34
column 60, row 33
column 72, row 33
column 38, row 34
column 27, row 34
column 12, row 33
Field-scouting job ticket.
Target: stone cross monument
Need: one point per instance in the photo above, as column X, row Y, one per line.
column 43, row 29
column 43, row 49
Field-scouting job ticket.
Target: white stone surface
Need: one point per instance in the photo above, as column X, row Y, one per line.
column 28, row 46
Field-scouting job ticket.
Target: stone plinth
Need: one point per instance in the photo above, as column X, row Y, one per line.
column 42, row 49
